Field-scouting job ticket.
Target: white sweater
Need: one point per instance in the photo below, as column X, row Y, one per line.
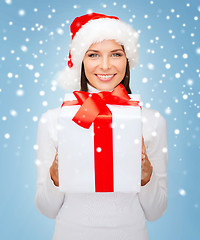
column 103, row 216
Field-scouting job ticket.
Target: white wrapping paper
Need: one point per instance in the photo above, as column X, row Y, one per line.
column 76, row 149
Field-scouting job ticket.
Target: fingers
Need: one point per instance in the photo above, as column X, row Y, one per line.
column 143, row 146
column 145, row 163
column 143, row 159
column 56, row 162
column 56, row 156
column 146, row 167
column 56, row 159
column 143, row 156
column 143, row 153
column 54, row 169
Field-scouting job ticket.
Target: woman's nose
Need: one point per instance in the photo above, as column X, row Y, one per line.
column 105, row 63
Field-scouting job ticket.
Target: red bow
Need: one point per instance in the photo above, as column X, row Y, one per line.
column 94, row 104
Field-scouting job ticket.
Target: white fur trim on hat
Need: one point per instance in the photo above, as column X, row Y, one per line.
column 96, row 31
column 69, row 79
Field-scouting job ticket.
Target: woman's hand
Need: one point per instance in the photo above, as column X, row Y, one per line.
column 54, row 170
column 146, row 168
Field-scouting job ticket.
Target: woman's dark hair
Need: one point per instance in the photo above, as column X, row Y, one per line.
column 125, row 82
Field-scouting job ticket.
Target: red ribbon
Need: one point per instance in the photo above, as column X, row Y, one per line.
column 94, row 104
column 94, row 110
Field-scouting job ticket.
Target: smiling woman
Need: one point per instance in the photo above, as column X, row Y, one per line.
column 101, row 51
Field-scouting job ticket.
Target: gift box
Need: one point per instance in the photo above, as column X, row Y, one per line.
column 100, row 142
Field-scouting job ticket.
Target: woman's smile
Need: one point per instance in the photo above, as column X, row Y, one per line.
column 105, row 77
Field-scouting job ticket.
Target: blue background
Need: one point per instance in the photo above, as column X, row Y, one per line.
column 34, row 39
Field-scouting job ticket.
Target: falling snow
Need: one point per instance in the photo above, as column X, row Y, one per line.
column 37, row 74
column 34, row 48
column 182, row 192
column 168, row 110
column 21, row 12
column 176, row 131
column 177, row 75
column 8, row 2
column 24, row 48
column 99, row 149
column 7, row 136
column 60, row 31
column 13, row 113
column 10, row 75
column 20, row 92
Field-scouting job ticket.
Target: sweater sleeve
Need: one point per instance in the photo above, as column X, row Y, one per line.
column 48, row 198
column 153, row 196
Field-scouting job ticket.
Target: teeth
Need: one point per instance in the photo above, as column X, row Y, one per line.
column 105, row 76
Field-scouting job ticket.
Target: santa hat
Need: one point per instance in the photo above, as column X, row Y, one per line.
column 91, row 28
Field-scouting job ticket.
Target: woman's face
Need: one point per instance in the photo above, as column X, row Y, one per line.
column 105, row 65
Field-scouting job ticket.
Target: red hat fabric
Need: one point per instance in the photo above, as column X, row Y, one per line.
column 79, row 22
column 91, row 28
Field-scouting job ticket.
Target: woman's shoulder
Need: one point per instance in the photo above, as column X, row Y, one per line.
column 51, row 112
column 51, row 115
column 153, row 118
column 151, row 113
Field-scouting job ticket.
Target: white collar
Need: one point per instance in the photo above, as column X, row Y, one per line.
column 94, row 90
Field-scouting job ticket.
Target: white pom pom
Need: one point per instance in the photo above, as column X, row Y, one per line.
column 69, row 79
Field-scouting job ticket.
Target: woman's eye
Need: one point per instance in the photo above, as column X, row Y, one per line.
column 93, row 55
column 116, row 54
